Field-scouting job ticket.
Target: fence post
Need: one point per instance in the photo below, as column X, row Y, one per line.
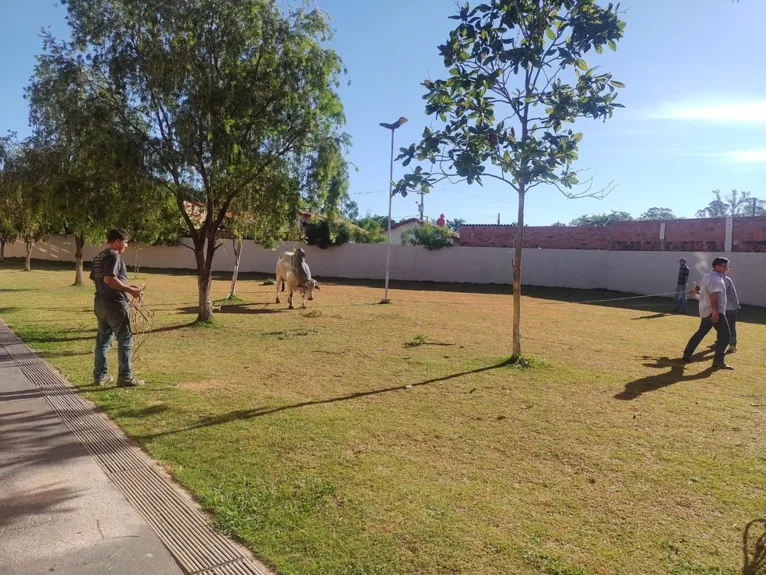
column 729, row 230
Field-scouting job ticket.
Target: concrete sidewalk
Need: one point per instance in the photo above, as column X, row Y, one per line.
column 59, row 512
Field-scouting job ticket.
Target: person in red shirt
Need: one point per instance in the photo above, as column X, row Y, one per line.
column 441, row 221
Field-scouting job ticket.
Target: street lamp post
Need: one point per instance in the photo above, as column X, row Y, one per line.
column 392, row 127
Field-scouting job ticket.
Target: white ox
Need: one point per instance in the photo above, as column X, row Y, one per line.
column 286, row 277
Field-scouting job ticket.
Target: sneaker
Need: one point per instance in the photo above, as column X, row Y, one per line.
column 132, row 382
column 723, row 366
column 103, row 380
column 732, row 349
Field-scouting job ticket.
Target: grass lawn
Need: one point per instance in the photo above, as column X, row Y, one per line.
column 356, row 438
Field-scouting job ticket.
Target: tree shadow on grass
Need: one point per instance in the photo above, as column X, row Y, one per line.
column 244, row 308
column 676, row 374
column 244, row 414
column 754, row 548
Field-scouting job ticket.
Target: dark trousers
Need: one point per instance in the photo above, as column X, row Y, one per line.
column 113, row 322
column 731, row 317
column 724, row 337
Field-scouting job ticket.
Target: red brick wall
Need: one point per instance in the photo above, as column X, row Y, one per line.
column 749, row 235
column 700, row 235
column 693, row 235
column 586, row 238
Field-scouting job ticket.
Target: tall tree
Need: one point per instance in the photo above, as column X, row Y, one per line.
column 95, row 164
column 736, row 204
column 601, row 220
column 8, row 231
column 226, row 91
column 25, row 194
column 507, row 99
column 658, row 214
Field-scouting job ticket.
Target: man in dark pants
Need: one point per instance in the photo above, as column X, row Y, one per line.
column 680, row 294
column 712, row 306
column 732, row 309
column 112, row 310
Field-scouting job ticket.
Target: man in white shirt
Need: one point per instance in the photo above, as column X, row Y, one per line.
column 712, row 306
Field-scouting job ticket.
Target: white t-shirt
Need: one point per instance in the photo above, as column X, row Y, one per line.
column 712, row 283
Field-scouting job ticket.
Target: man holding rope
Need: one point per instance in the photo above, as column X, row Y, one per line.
column 712, row 306
column 112, row 310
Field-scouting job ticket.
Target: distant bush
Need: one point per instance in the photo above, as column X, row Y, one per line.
column 325, row 234
column 429, row 236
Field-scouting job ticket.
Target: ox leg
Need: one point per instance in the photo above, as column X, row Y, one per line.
column 290, row 298
column 279, row 281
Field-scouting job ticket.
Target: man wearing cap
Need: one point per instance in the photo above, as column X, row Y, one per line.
column 712, row 291
column 680, row 294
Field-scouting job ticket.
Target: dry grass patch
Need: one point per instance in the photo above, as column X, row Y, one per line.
column 330, row 447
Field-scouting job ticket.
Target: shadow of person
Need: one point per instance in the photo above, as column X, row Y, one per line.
column 754, row 548
column 634, row 389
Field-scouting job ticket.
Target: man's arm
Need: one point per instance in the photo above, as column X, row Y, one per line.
column 714, row 305
column 117, row 285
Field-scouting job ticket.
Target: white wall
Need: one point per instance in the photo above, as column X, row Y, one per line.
column 634, row 272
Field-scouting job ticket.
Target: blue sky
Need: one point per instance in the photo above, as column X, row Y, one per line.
column 695, row 117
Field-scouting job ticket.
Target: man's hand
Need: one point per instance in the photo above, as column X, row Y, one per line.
column 715, row 316
column 135, row 291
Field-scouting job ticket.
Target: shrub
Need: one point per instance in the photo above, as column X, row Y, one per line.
column 429, row 236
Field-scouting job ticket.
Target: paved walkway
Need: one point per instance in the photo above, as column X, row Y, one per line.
column 66, row 509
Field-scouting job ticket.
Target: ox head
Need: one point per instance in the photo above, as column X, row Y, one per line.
column 308, row 288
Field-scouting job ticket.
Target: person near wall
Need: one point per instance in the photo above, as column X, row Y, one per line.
column 441, row 221
column 112, row 310
column 680, row 297
column 732, row 309
column 712, row 307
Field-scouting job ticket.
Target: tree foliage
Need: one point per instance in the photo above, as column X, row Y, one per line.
column 228, row 97
column 455, row 224
column 517, row 76
column 658, row 214
column 736, row 204
column 601, row 220
column 429, row 236
column 23, row 196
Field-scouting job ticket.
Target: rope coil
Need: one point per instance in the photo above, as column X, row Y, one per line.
column 141, row 321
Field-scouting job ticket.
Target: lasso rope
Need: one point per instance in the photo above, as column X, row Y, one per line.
column 141, row 321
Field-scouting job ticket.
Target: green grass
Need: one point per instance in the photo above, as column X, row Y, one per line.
column 329, row 447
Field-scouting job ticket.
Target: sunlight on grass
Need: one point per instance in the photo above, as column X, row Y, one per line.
column 329, row 447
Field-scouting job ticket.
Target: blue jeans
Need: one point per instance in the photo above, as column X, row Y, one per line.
column 113, row 321
column 724, row 337
column 680, row 298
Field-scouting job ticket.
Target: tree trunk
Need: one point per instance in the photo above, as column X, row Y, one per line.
column 79, row 242
column 237, row 244
column 519, row 242
column 2, row 251
column 28, row 261
column 204, row 248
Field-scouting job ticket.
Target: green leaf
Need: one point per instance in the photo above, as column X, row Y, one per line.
column 617, row 84
column 581, row 64
column 600, row 49
column 577, row 137
column 549, row 32
column 612, row 45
